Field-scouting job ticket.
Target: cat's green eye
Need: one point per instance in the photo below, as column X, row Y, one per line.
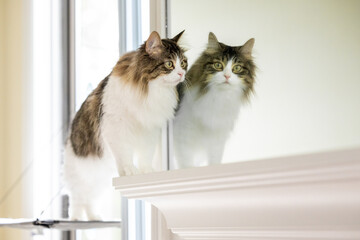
column 169, row 65
column 218, row 66
column 237, row 69
column 183, row 64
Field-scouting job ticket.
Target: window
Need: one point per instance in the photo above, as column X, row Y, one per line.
column 102, row 32
column 96, row 44
column 75, row 45
column 96, row 50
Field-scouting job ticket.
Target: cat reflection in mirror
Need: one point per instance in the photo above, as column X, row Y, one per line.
column 121, row 120
column 219, row 81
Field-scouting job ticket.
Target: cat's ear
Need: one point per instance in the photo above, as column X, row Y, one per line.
column 213, row 43
column 177, row 37
column 153, row 45
column 246, row 49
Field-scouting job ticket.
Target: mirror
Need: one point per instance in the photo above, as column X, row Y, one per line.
column 306, row 94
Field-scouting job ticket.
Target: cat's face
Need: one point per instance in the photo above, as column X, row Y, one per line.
column 157, row 60
column 166, row 62
column 172, row 71
column 224, row 67
column 227, row 74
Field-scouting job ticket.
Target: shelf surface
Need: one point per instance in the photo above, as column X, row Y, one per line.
column 59, row 224
column 313, row 196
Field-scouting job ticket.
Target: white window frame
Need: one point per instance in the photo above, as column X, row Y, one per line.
column 50, row 106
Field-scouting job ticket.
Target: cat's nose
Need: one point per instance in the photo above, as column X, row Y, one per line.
column 181, row 74
column 227, row 76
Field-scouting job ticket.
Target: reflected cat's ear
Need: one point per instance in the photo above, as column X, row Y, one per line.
column 246, row 49
column 153, row 45
column 213, row 43
column 177, row 37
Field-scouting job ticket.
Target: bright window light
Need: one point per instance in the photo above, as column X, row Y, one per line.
column 97, row 44
column 47, row 128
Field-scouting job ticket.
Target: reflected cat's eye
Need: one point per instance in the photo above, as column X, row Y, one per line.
column 218, row 66
column 169, row 65
column 183, row 64
column 237, row 69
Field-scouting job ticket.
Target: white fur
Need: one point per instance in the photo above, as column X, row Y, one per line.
column 203, row 124
column 86, row 181
column 130, row 129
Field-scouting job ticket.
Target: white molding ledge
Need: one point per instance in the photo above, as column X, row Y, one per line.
column 314, row 196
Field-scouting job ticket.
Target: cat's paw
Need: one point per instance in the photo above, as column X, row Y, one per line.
column 74, row 218
column 146, row 170
column 93, row 217
column 129, row 170
column 76, row 214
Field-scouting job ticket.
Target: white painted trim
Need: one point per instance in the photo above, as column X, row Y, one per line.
column 313, row 196
column 158, row 16
column 159, row 230
column 331, row 166
column 259, row 234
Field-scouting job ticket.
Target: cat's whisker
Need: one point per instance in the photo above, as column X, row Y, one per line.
column 187, row 84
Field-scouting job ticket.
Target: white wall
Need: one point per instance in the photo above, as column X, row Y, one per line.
column 2, row 107
column 308, row 83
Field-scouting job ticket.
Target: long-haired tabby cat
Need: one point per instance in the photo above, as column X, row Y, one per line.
column 121, row 119
column 216, row 84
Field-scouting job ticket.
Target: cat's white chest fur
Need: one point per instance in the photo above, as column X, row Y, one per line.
column 122, row 103
column 215, row 110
